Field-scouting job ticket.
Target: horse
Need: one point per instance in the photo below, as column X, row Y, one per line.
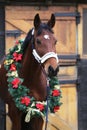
column 39, row 61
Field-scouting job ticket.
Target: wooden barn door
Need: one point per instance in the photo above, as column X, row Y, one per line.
column 18, row 22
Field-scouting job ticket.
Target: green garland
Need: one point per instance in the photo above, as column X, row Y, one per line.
column 20, row 93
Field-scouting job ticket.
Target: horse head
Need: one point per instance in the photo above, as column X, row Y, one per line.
column 44, row 49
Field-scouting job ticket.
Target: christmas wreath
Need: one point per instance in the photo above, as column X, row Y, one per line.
column 20, row 93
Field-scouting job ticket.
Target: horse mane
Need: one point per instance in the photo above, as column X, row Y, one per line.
column 30, row 38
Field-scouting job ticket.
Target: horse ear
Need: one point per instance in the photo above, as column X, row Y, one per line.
column 37, row 21
column 51, row 22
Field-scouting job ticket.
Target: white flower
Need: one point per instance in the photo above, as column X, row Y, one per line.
column 57, row 86
column 13, row 73
column 8, row 62
column 19, row 48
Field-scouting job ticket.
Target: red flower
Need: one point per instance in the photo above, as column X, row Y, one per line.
column 17, row 42
column 56, row 108
column 13, row 67
column 55, row 93
column 16, row 82
column 17, row 56
column 25, row 100
column 40, row 106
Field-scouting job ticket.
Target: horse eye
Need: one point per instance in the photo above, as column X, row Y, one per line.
column 38, row 41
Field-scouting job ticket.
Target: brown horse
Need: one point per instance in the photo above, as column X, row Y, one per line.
column 39, row 61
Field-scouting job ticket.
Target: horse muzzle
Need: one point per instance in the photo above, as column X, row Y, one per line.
column 52, row 72
column 50, row 61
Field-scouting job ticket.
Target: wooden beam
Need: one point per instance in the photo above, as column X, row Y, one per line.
column 20, row 24
column 58, row 122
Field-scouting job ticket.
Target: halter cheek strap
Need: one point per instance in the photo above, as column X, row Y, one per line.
column 45, row 57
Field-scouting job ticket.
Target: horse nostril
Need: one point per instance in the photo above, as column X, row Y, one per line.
column 50, row 69
column 52, row 72
column 57, row 69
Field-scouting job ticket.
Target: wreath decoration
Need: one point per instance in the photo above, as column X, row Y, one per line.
column 20, row 93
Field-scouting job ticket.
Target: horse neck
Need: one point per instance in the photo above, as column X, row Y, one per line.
column 31, row 68
column 33, row 75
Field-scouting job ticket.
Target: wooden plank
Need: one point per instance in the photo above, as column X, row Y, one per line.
column 80, row 31
column 49, row 126
column 68, row 110
column 72, row 107
column 65, row 33
column 9, row 26
column 29, row 12
column 58, row 123
column 20, row 24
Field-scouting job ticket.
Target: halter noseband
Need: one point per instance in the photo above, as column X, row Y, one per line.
column 45, row 57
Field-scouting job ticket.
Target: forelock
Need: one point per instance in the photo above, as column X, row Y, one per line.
column 45, row 27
